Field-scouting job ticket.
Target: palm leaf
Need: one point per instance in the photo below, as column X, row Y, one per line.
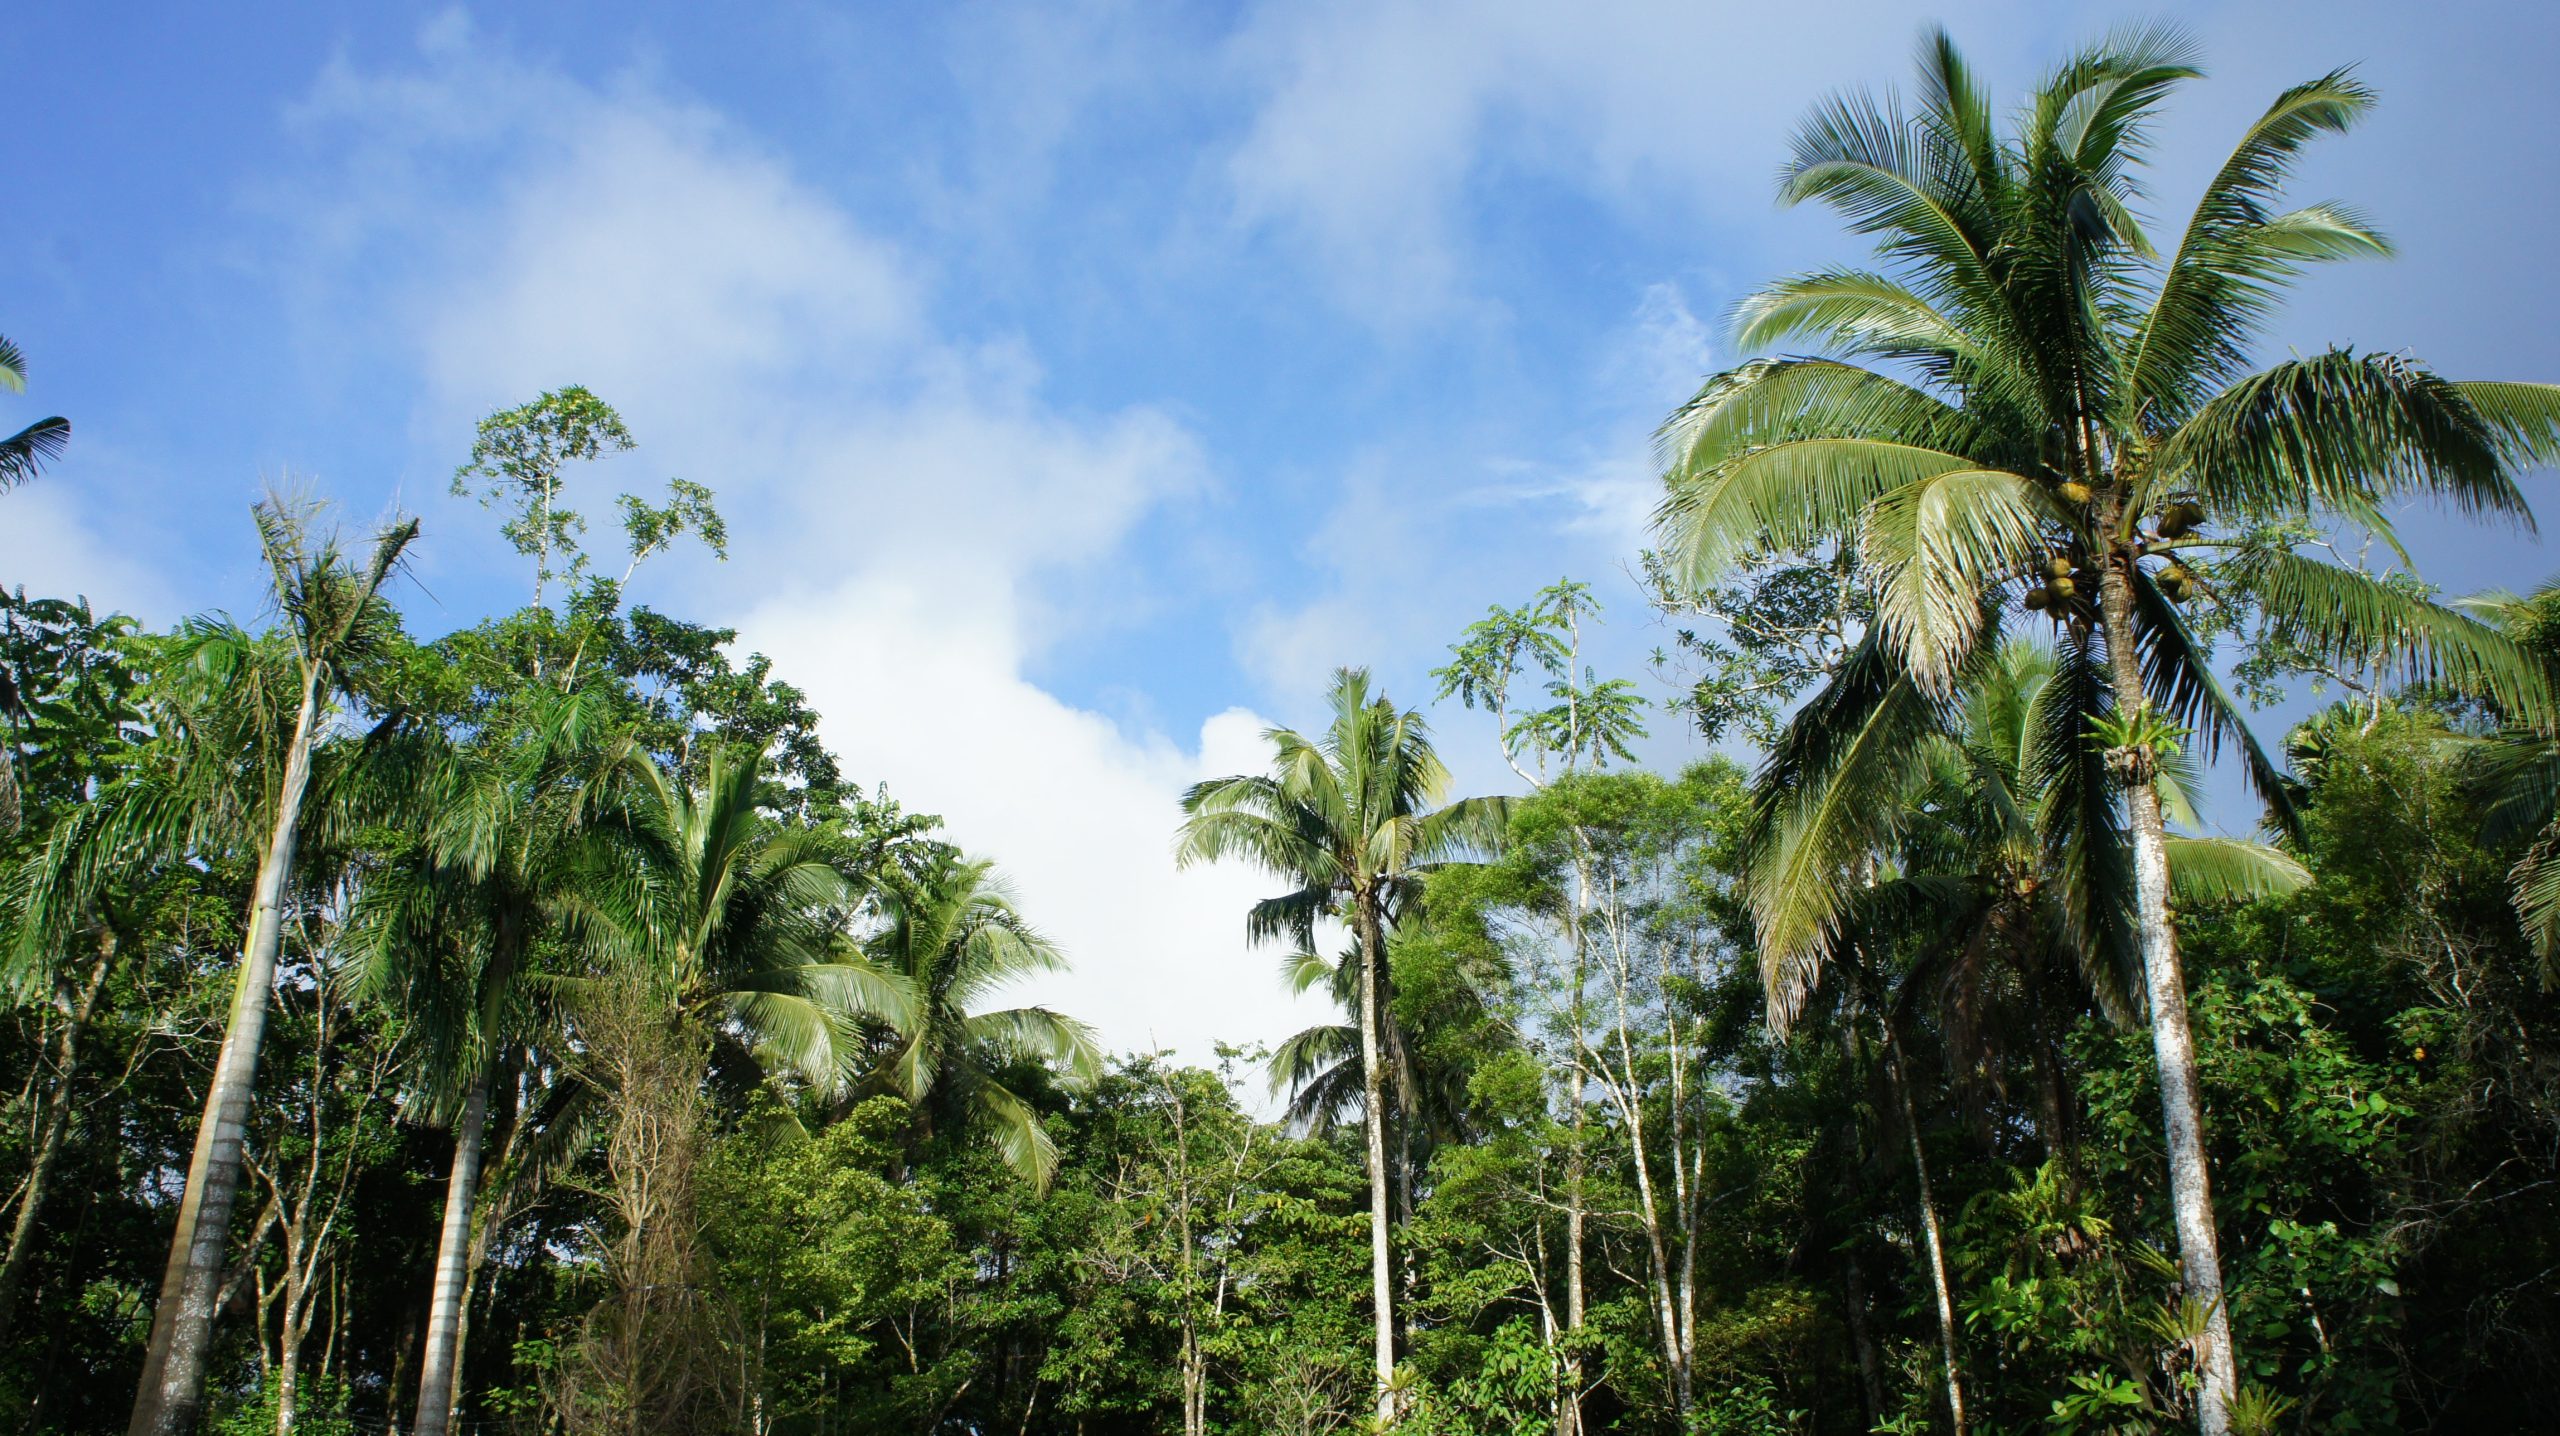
column 1939, row 544
column 2337, row 429
column 2210, row 870
column 1785, row 497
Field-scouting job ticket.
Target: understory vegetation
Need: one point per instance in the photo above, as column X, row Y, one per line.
column 535, row 1029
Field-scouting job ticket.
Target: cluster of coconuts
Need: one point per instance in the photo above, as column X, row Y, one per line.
column 2066, row 582
column 2177, row 521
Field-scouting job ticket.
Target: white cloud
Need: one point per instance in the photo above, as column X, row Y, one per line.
column 1377, row 119
column 51, row 549
column 1080, row 812
column 903, row 502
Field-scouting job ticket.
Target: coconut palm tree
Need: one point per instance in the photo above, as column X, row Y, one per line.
column 242, row 746
column 2029, row 408
column 1351, row 817
column 956, row 936
column 24, row 454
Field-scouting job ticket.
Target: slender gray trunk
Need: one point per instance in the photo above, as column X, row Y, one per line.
column 2164, row 980
column 443, row 1357
column 172, row 1385
column 1373, row 1074
column 56, row 1127
column 1576, row 1162
column 1934, row 1238
column 288, row 1380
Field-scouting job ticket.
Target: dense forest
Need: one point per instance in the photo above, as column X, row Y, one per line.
column 534, row 1028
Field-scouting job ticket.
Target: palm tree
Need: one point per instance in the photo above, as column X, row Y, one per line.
column 715, row 932
column 1350, row 817
column 1992, row 878
column 730, row 922
column 237, row 729
column 955, row 936
column 2518, row 769
column 447, row 931
column 2047, row 411
column 24, row 454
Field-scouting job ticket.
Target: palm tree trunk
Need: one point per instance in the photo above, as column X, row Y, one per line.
column 1373, row 1082
column 2172, row 1044
column 57, row 1126
column 172, row 1385
column 1900, row 1073
column 453, row 1253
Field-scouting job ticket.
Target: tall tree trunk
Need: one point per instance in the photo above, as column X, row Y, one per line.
column 182, row 1324
column 443, row 1355
column 1373, row 1082
column 1576, row 1161
column 2172, row 1044
column 1936, row 1240
column 1862, row 1336
column 56, row 1126
column 288, row 1376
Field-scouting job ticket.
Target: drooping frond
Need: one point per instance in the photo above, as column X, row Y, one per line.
column 2178, row 676
column 2355, row 619
column 1319, row 1067
column 24, row 454
column 2087, row 847
column 1041, row 1034
column 2525, row 417
column 2518, row 775
column 2336, row 429
column 1939, row 545
column 1015, row 1129
column 1827, row 803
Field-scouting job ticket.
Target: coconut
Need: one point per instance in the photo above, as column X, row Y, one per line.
column 2037, row 600
column 2180, row 519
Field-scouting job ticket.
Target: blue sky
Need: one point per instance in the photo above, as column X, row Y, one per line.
column 1082, row 381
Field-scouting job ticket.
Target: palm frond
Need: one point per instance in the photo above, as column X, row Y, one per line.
column 1016, row 1132
column 1825, row 805
column 2220, row 285
column 1784, row 497
column 1940, row 544
column 2211, row 870
column 24, row 454
column 2356, row 620
column 2338, row 428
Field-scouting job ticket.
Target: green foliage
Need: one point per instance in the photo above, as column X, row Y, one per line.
column 1586, row 721
column 319, row 1409
column 24, row 454
column 763, row 1152
column 820, row 1248
column 1782, row 627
